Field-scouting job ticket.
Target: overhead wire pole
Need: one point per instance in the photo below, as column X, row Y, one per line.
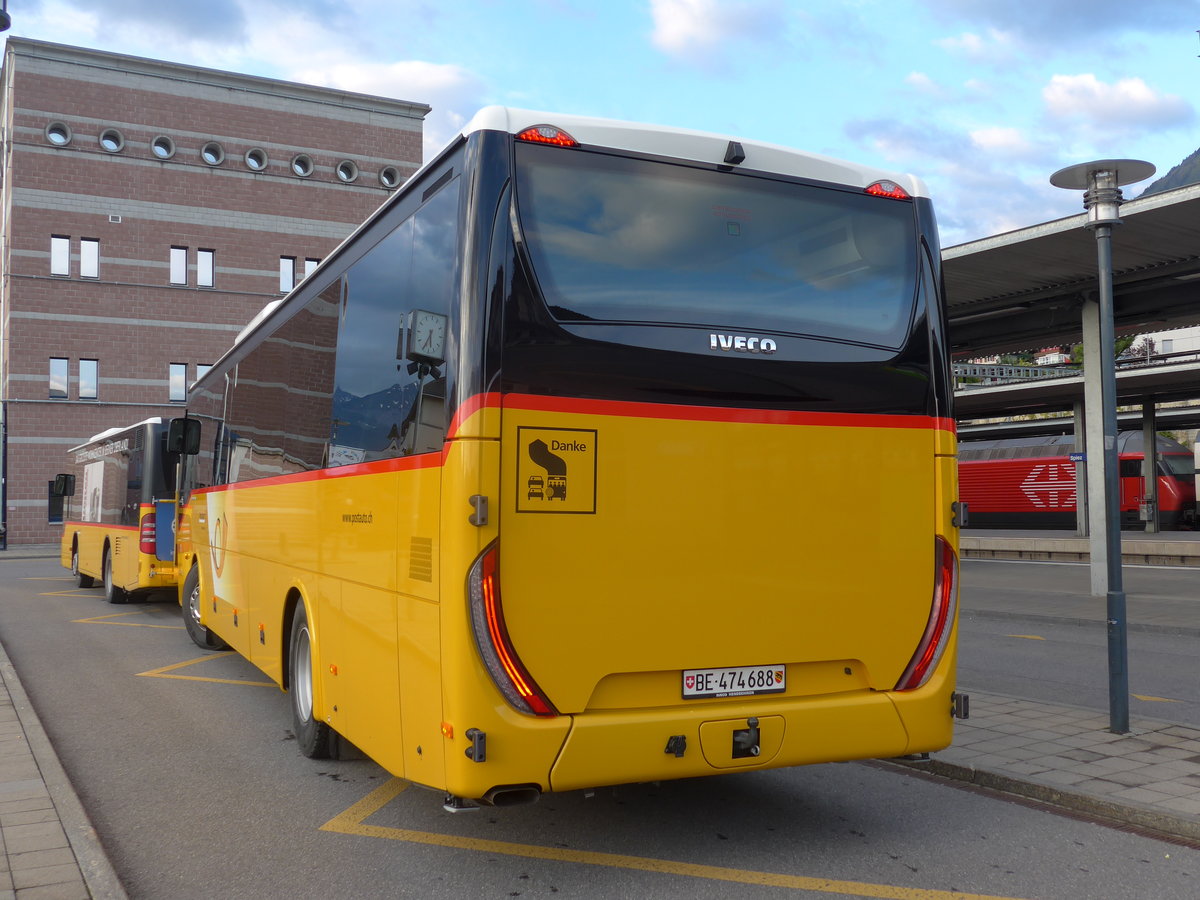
column 1101, row 180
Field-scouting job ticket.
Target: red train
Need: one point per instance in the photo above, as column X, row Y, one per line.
column 1030, row 482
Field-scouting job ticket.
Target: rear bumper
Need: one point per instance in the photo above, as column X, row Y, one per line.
column 617, row 747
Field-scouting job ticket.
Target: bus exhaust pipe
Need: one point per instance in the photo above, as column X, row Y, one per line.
column 512, row 795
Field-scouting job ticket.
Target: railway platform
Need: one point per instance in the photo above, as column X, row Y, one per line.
column 1164, row 548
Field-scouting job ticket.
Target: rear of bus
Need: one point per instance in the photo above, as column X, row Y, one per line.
column 722, row 465
column 123, row 537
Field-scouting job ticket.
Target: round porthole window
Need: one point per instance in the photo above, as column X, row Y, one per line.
column 389, row 177
column 162, row 147
column 112, row 141
column 256, row 159
column 347, row 171
column 58, row 133
column 302, row 165
column 212, row 153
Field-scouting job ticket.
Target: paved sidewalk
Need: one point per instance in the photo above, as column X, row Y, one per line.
column 51, row 851
column 1048, row 751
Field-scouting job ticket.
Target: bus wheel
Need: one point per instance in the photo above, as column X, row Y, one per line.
column 84, row 580
column 200, row 635
column 315, row 738
column 112, row 593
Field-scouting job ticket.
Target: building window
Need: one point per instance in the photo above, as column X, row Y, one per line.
column 287, row 273
column 201, row 371
column 60, row 255
column 89, row 258
column 347, row 170
column 89, row 379
column 212, row 153
column 54, row 505
column 112, row 141
column 179, row 265
column 1168, row 345
column 58, row 133
column 302, row 165
column 58, row 378
column 389, row 177
column 206, row 267
column 162, row 147
column 256, row 159
column 310, row 266
column 177, row 382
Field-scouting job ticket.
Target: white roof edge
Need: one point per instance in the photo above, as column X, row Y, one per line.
column 683, row 143
column 109, row 432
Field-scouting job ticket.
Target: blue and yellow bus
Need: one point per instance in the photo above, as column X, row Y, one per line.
column 600, row 453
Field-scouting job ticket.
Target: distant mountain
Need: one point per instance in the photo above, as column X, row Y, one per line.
column 367, row 422
column 1187, row 172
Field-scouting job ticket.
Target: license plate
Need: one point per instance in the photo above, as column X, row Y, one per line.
column 738, row 681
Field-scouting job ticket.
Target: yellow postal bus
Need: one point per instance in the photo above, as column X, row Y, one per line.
column 122, row 531
column 600, row 453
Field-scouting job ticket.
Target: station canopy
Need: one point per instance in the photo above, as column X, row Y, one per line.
column 1025, row 290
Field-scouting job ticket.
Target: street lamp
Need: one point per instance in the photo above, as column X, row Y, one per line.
column 1101, row 182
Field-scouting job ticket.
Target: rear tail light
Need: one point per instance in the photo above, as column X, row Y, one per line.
column 941, row 620
column 146, row 539
column 887, row 189
column 491, row 636
column 547, row 134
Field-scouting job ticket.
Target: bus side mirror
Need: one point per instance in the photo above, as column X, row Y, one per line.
column 64, row 486
column 183, row 436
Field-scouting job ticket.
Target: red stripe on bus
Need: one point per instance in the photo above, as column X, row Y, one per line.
column 720, row 414
column 628, row 409
column 395, row 464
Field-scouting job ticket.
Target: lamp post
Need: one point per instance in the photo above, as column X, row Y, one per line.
column 1101, row 182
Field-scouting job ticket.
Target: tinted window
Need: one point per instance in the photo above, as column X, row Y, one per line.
column 279, row 411
column 626, row 240
column 385, row 403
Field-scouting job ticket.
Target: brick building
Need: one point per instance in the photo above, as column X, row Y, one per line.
column 149, row 210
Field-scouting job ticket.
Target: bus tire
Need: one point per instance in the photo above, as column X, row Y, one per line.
column 112, row 593
column 84, row 581
column 200, row 635
column 315, row 738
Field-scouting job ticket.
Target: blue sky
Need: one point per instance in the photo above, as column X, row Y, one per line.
column 984, row 99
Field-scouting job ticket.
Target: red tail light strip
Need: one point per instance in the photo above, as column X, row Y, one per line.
column 941, row 620
column 495, row 646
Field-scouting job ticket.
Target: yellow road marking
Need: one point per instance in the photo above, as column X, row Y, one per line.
column 165, row 671
column 69, row 592
column 352, row 821
column 103, row 620
column 1028, row 637
column 49, row 578
column 1150, row 699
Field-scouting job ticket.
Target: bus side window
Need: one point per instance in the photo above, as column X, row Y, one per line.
column 386, row 404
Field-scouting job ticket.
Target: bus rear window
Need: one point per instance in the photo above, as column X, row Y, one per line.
column 613, row 239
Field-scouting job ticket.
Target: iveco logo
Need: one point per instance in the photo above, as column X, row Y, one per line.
column 741, row 343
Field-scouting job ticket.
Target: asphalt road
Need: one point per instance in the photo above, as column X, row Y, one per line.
column 187, row 766
column 1068, row 663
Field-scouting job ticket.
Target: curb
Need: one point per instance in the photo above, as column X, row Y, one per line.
column 1123, row 813
column 1139, row 627
column 98, row 873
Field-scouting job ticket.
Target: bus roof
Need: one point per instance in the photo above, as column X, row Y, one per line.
column 699, row 146
column 111, row 432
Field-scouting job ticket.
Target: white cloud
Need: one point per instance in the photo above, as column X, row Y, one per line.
column 994, row 47
column 701, row 31
column 1050, row 21
column 924, row 84
column 1001, row 140
column 1128, row 104
column 453, row 92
